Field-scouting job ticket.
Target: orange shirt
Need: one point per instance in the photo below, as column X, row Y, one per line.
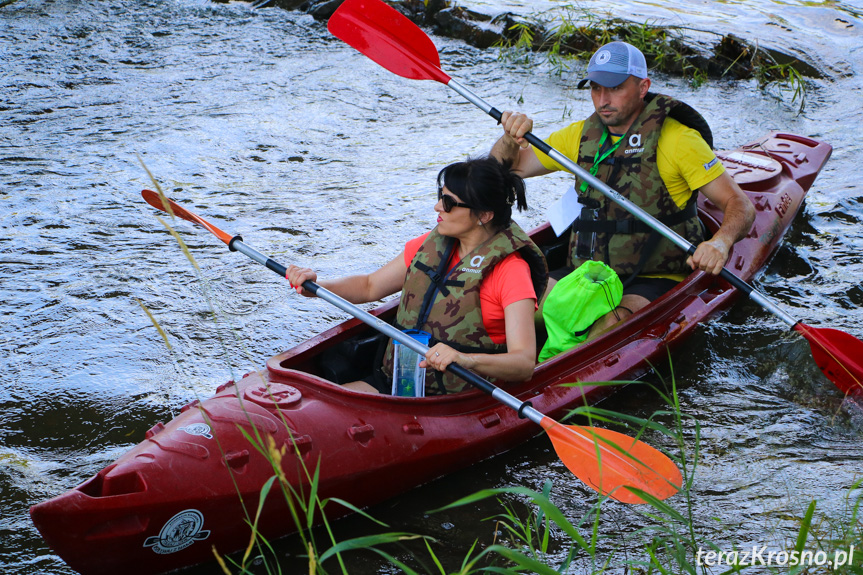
column 508, row 282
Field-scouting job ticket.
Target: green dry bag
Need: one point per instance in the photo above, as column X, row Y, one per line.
column 575, row 302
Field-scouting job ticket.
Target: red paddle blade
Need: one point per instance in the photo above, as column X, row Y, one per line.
column 386, row 36
column 838, row 355
column 160, row 202
column 621, row 461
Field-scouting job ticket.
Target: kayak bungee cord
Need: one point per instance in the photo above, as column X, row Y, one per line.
column 605, row 460
column 390, row 39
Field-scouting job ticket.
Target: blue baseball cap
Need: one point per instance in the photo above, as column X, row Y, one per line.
column 614, row 63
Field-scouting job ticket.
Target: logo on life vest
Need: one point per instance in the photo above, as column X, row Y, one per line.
column 635, row 144
column 179, row 532
column 475, row 262
column 199, row 429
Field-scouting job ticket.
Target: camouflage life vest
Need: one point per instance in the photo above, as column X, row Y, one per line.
column 627, row 245
column 447, row 305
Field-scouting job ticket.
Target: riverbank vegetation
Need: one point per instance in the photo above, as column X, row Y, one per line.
column 567, row 38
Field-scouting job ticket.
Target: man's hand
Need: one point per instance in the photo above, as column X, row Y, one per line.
column 710, row 256
column 738, row 216
column 515, row 126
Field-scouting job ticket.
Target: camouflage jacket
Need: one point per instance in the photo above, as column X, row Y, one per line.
column 626, row 244
column 447, row 305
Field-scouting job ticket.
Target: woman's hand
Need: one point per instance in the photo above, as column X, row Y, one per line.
column 441, row 355
column 297, row 276
column 515, row 365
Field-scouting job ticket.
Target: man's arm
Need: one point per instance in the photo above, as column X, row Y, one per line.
column 738, row 215
column 513, row 147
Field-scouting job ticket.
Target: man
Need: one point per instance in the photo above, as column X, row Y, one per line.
column 656, row 152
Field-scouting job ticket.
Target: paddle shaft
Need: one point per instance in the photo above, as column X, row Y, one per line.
column 235, row 244
column 591, row 445
column 522, row 407
column 626, row 204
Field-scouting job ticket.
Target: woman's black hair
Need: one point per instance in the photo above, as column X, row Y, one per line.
column 487, row 185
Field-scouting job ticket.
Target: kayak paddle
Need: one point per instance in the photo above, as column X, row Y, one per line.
column 389, row 38
column 605, row 460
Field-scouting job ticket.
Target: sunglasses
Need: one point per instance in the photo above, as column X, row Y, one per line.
column 450, row 202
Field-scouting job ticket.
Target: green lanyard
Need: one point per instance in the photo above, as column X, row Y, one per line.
column 597, row 159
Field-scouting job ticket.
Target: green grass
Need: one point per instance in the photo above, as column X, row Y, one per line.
column 671, row 535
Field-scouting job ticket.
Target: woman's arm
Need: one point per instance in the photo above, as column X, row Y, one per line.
column 356, row 289
column 515, row 365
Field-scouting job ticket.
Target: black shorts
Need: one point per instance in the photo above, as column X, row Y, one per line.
column 648, row 288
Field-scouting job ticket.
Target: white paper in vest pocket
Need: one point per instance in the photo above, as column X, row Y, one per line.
column 563, row 212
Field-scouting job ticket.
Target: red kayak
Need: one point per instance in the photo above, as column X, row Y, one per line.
column 165, row 503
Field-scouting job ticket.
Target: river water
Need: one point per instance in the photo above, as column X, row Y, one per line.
column 269, row 127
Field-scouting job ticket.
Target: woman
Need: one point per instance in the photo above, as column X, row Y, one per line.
column 471, row 282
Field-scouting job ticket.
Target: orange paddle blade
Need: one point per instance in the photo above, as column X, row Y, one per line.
column 607, row 461
column 387, row 37
column 160, row 202
column 838, row 355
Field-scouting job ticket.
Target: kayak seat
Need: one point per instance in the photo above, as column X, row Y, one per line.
column 556, row 251
column 352, row 359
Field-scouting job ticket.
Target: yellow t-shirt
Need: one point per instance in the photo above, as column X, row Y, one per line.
column 684, row 160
